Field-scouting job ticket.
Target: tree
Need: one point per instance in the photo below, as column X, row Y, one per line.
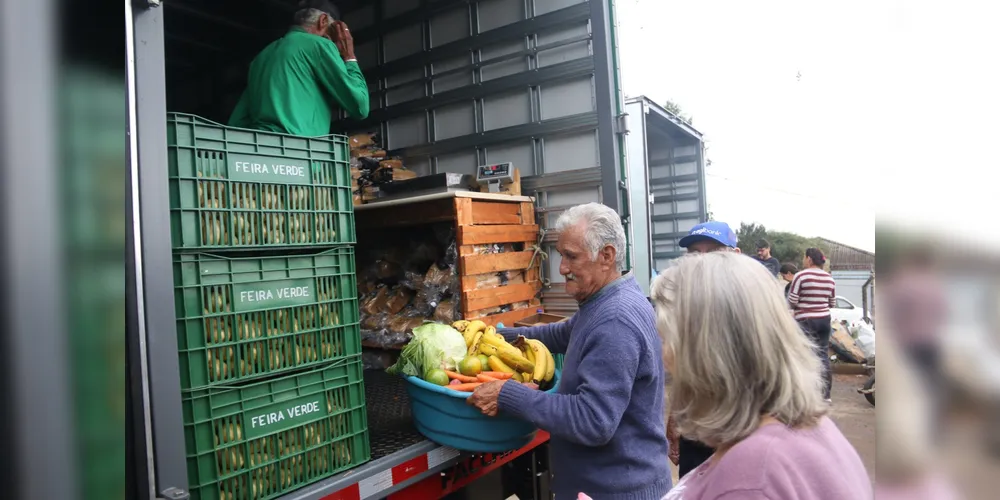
column 785, row 246
column 675, row 108
column 748, row 234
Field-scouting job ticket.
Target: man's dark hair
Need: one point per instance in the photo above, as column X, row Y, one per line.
column 816, row 255
column 762, row 243
column 788, row 267
column 303, row 14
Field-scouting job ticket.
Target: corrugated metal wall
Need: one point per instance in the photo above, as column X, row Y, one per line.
column 458, row 84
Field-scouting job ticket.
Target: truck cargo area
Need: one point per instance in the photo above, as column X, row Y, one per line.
column 454, row 84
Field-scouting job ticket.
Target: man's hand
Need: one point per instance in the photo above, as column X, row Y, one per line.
column 519, row 341
column 487, row 397
column 342, row 38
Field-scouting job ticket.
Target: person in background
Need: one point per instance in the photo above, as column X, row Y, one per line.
column 764, row 257
column 608, row 438
column 787, row 274
column 744, row 380
column 297, row 82
column 811, row 295
column 712, row 236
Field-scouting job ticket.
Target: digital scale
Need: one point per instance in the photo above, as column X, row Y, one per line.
column 495, row 176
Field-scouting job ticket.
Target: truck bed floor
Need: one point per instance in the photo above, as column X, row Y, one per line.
column 390, row 423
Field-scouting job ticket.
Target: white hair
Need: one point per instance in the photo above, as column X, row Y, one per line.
column 734, row 349
column 309, row 17
column 602, row 227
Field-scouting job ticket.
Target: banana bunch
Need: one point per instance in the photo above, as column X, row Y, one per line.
column 531, row 363
column 545, row 364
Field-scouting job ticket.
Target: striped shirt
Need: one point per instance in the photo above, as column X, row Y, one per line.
column 812, row 294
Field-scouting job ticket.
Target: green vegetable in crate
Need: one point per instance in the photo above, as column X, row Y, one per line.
column 434, row 345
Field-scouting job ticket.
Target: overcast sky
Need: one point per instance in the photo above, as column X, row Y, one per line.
column 819, row 114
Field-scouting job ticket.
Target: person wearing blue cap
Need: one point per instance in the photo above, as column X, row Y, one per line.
column 711, row 236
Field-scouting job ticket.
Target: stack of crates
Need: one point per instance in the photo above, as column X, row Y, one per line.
column 269, row 345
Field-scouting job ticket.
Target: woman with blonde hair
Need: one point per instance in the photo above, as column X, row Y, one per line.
column 745, row 381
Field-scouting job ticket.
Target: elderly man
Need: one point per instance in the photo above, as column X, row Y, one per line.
column 712, row 236
column 297, row 81
column 606, row 421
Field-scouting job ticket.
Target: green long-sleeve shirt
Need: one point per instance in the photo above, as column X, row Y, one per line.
column 294, row 85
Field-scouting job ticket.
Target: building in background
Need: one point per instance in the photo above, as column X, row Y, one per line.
column 851, row 268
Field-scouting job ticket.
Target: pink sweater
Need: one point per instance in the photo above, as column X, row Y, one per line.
column 777, row 463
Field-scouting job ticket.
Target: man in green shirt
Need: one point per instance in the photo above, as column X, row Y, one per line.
column 297, row 81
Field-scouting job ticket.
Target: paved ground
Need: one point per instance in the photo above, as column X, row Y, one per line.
column 855, row 417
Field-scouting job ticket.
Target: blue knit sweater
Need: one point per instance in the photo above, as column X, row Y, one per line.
column 606, row 422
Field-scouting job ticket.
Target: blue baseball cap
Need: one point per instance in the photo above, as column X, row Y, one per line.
column 711, row 230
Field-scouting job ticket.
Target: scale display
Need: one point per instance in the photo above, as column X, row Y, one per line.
column 495, row 173
column 493, row 176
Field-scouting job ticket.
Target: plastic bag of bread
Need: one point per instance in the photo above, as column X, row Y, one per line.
column 447, row 311
column 399, row 298
column 438, row 277
column 374, row 322
column 376, row 303
column 360, row 140
column 413, row 281
column 365, row 287
column 404, row 324
column 490, row 280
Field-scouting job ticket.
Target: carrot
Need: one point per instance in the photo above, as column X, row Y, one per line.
column 486, row 378
column 458, row 376
column 498, row 375
column 465, row 387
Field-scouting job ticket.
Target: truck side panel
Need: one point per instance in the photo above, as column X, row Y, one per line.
column 459, row 84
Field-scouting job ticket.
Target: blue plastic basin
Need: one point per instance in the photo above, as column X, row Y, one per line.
column 443, row 416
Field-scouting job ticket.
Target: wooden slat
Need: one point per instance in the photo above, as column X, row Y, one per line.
column 472, row 282
column 507, row 318
column 494, row 263
column 405, row 215
column 527, row 213
column 463, row 211
column 501, row 295
column 493, row 212
column 478, row 235
column 464, row 250
column 532, row 274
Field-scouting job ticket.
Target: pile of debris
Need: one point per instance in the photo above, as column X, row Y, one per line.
column 852, row 343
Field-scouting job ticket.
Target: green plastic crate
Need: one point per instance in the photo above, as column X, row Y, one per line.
column 238, row 447
column 239, row 188
column 249, row 317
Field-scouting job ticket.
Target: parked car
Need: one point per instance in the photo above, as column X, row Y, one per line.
column 845, row 310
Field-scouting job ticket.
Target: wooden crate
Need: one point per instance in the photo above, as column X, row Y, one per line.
column 541, row 319
column 480, row 219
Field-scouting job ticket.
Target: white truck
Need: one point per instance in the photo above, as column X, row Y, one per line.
column 454, row 84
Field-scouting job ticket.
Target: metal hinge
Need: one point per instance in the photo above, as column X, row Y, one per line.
column 621, row 124
column 174, row 494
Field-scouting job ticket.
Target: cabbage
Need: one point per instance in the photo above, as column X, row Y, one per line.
column 434, row 345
